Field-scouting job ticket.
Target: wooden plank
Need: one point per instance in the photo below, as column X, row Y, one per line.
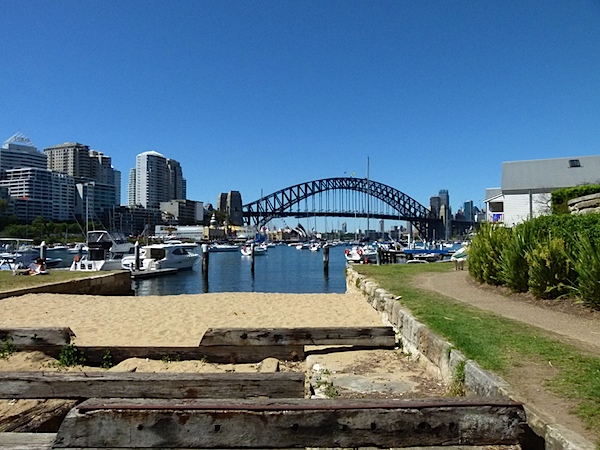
column 361, row 336
column 262, row 423
column 26, row 441
column 216, row 354
column 33, row 338
column 36, row 416
column 20, row 385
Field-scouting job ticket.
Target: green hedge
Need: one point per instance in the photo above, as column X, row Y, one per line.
column 549, row 256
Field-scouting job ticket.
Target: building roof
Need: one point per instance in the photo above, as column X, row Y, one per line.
column 546, row 175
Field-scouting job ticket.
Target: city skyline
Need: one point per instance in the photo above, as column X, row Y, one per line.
column 257, row 96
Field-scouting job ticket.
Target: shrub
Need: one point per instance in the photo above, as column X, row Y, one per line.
column 484, row 253
column 586, row 263
column 549, row 269
column 513, row 259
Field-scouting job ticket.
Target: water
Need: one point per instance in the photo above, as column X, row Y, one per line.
column 282, row 269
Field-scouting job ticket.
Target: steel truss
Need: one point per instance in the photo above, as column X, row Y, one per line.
column 283, row 202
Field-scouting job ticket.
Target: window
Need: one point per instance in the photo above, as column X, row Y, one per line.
column 574, row 163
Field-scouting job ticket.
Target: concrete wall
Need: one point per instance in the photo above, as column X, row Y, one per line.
column 98, row 283
column 440, row 356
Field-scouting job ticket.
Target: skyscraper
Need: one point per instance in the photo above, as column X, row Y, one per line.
column 155, row 179
column 71, row 158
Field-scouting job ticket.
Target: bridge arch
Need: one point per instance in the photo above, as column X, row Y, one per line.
column 281, row 203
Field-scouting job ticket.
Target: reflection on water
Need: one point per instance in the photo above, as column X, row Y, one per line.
column 283, row 269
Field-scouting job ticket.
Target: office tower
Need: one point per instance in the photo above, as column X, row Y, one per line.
column 18, row 152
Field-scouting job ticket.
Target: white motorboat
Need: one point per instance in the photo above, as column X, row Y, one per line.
column 223, row 248
column 105, row 251
column 314, row 246
column 246, row 250
column 361, row 254
column 17, row 253
column 79, row 247
column 162, row 256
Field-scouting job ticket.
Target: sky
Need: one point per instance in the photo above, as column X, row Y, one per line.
column 256, row 96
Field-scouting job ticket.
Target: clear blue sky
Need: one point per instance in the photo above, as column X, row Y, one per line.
column 256, row 96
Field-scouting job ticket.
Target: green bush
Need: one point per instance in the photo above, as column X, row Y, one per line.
column 513, row 259
column 586, row 263
column 484, row 253
column 549, row 269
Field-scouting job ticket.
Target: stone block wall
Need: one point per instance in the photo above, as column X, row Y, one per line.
column 440, row 356
column 98, row 283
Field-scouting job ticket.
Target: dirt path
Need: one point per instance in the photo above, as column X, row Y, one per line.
column 564, row 319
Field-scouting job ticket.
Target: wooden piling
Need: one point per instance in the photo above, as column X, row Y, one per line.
column 136, row 252
column 205, row 259
column 326, row 258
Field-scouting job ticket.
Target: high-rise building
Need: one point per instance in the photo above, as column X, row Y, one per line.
column 155, row 179
column 175, row 180
column 71, row 158
column 18, row 152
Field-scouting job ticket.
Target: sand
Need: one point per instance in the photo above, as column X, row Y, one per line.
column 180, row 320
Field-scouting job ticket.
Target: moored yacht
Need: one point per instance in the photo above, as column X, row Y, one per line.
column 162, row 256
column 105, row 251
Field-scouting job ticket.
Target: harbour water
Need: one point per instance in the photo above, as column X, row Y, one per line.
column 282, row 269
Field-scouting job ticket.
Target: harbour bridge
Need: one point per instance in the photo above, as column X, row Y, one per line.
column 343, row 197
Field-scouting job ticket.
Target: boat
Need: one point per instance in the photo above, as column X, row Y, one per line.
column 361, row 254
column 162, row 256
column 79, row 247
column 106, row 249
column 314, row 246
column 17, row 253
column 246, row 250
column 215, row 247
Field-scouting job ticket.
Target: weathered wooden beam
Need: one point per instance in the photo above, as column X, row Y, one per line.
column 361, row 336
column 262, row 423
column 34, row 338
column 20, row 385
column 216, row 354
column 26, row 441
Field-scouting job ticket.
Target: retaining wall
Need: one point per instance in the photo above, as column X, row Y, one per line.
column 98, row 283
column 585, row 205
column 440, row 356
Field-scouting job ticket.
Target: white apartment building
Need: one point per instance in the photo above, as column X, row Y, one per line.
column 155, row 179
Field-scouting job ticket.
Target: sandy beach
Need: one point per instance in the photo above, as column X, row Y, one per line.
column 181, row 320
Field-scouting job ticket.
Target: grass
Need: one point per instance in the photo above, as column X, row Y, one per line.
column 495, row 343
column 8, row 281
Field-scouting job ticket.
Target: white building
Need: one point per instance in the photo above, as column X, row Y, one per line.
column 40, row 192
column 155, row 179
column 527, row 186
column 19, row 152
